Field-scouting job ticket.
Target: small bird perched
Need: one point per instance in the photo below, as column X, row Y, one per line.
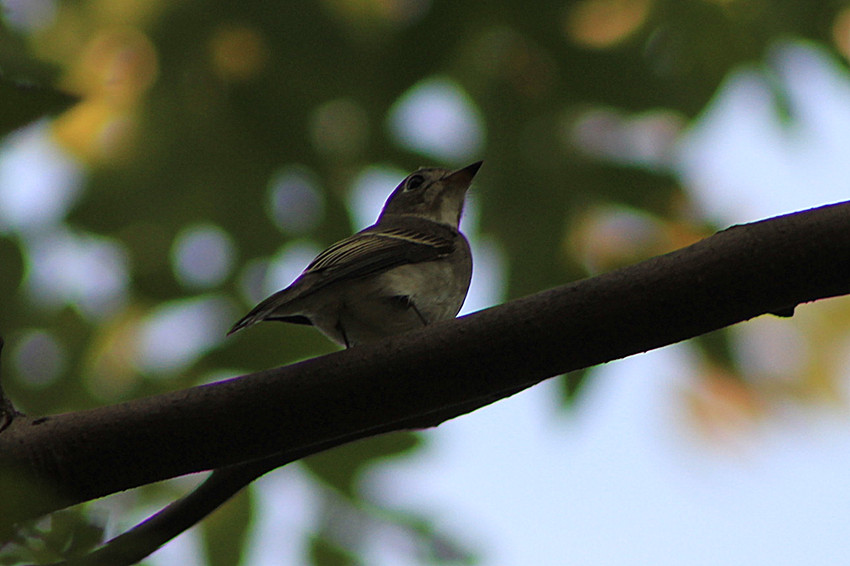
column 409, row 269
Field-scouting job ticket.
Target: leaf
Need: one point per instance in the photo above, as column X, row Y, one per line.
column 343, row 466
column 225, row 532
column 22, row 102
column 571, row 385
column 25, row 91
column 12, row 261
column 322, row 552
column 64, row 534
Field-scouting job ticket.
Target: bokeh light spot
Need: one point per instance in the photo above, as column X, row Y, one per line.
column 288, row 264
column 238, row 52
column 607, row 237
column 841, row 32
column 87, row 271
column 177, row 333
column 369, row 191
column 438, row 119
column 603, row 23
column 118, row 64
column 202, row 255
column 252, row 280
column 770, row 349
column 28, row 15
column 38, row 181
column 340, row 128
column 109, row 371
column 508, row 58
column 39, row 358
column 296, row 203
column 116, row 68
column 647, row 139
column 364, row 16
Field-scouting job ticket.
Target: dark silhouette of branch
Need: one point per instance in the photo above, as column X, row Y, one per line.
column 148, row 536
column 425, row 377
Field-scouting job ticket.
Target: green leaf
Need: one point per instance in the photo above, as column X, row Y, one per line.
column 25, row 91
column 323, row 552
column 342, row 467
column 22, row 103
column 571, row 385
column 226, row 531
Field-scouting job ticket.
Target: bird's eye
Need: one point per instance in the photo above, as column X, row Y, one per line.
column 414, row 182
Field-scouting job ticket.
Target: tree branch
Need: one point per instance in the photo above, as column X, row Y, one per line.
column 427, row 376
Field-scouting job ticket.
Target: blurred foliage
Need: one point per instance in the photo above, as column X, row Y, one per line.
column 189, row 109
column 63, row 534
column 24, row 102
column 324, row 552
column 24, row 91
column 226, row 530
column 344, row 467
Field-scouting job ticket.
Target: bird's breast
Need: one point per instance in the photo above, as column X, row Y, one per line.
column 436, row 288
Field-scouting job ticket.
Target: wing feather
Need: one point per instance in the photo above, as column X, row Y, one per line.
column 365, row 253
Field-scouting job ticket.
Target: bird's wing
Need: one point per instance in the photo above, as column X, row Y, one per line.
column 365, row 253
column 370, row 252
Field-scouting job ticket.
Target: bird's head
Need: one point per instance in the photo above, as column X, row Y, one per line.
column 435, row 194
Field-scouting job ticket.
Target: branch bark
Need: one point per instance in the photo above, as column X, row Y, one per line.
column 425, row 377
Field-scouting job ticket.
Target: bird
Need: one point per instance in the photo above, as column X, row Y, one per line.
column 409, row 269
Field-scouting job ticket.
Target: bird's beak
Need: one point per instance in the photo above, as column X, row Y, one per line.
column 463, row 177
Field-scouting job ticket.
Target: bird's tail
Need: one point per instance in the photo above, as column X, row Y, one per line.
column 245, row 321
column 269, row 309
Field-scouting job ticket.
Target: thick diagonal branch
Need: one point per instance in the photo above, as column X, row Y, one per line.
column 438, row 372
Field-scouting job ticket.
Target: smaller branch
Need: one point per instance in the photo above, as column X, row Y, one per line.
column 151, row 534
column 148, row 536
